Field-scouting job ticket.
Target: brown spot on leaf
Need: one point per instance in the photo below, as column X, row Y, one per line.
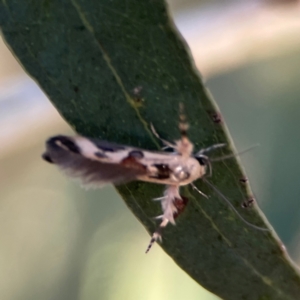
column 215, row 116
column 137, row 96
column 243, row 180
column 248, row 203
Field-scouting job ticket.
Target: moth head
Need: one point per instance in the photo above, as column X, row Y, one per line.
column 205, row 163
column 202, row 160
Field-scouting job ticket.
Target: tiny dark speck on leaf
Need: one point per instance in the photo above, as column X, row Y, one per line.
column 76, row 89
column 137, row 97
column 248, row 203
column 80, row 27
column 243, row 180
column 215, row 116
column 219, row 237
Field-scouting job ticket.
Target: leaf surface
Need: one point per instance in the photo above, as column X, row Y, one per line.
column 113, row 67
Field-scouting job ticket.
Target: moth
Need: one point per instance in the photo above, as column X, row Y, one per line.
column 96, row 162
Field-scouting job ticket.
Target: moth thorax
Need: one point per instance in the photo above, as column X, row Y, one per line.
column 184, row 147
column 181, row 173
column 203, row 170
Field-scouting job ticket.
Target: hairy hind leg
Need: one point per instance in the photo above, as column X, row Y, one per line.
column 173, row 205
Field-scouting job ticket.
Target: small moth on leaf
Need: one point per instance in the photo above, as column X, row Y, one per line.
column 97, row 163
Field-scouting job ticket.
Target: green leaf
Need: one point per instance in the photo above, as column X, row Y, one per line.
column 112, row 67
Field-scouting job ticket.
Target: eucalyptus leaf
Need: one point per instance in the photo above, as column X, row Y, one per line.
column 112, row 67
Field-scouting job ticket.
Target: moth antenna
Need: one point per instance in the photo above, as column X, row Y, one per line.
column 233, row 208
column 184, row 146
column 165, row 147
column 183, row 124
column 233, row 155
column 201, row 193
column 208, row 149
column 165, row 142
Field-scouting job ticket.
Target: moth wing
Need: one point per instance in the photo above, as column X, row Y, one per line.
column 68, row 154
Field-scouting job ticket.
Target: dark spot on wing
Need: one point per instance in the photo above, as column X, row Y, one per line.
column 136, row 154
column 163, row 171
column 100, row 155
column 107, row 149
column 107, row 146
column 47, row 157
column 131, row 162
column 63, row 142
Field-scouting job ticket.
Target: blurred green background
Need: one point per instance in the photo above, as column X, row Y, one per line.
column 59, row 241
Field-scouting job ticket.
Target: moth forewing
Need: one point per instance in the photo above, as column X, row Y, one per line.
column 78, row 160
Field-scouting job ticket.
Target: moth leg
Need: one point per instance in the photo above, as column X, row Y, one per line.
column 196, row 189
column 165, row 142
column 157, row 234
column 159, row 198
column 172, row 205
column 208, row 149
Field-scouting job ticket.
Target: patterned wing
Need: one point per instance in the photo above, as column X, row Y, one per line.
column 86, row 159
